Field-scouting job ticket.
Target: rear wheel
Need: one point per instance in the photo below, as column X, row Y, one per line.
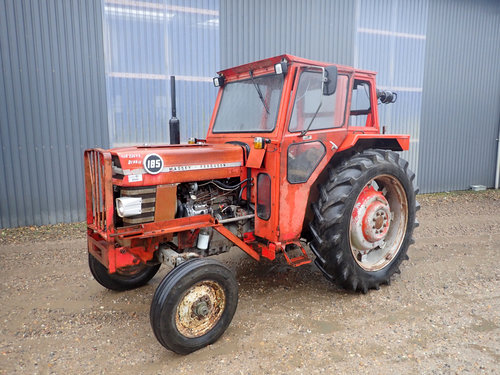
column 123, row 279
column 193, row 305
column 364, row 220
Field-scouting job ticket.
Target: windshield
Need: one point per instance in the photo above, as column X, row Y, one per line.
column 313, row 110
column 249, row 106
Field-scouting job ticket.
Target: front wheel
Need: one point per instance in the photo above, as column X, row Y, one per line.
column 193, row 305
column 124, row 279
column 364, row 220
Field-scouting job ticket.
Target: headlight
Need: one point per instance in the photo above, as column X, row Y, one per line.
column 128, row 206
column 219, row 81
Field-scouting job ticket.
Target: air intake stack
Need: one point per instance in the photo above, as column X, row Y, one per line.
column 174, row 121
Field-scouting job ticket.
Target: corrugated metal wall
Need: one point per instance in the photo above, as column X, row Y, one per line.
column 384, row 36
column 391, row 39
column 461, row 102
column 52, row 107
column 64, row 77
column 145, row 43
column 321, row 30
column 442, row 57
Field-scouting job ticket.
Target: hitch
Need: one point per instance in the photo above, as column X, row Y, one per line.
column 173, row 258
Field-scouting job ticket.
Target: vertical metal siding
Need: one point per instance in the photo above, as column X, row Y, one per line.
column 321, row 30
column 52, row 107
column 145, row 43
column 59, row 88
column 461, row 102
column 391, row 39
column 448, row 90
column 384, row 36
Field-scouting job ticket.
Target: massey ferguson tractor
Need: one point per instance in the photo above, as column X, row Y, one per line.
column 294, row 157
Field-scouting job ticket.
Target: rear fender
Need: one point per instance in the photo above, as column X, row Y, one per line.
column 352, row 144
column 359, row 142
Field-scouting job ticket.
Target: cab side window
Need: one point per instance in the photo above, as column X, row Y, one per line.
column 360, row 104
column 310, row 95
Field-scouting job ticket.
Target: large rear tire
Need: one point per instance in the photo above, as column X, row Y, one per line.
column 125, row 279
column 193, row 305
column 364, row 220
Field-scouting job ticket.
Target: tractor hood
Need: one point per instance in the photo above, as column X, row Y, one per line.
column 157, row 165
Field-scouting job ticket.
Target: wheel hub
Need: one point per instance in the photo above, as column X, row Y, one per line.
column 200, row 309
column 376, row 221
column 371, row 219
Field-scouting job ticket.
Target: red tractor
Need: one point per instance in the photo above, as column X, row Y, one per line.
column 294, row 156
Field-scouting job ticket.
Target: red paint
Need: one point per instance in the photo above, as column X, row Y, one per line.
column 269, row 252
column 367, row 224
column 371, row 213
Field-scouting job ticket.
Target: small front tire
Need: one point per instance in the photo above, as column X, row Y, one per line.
column 125, row 279
column 193, row 305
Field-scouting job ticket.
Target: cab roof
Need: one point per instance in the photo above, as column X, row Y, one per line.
column 271, row 61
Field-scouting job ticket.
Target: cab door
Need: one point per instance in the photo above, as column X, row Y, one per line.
column 316, row 126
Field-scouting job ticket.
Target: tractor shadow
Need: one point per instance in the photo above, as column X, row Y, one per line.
column 268, row 277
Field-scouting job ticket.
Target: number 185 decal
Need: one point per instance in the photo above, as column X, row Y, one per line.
column 153, row 163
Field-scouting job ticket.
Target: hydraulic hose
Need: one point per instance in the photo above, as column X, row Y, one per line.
column 229, row 187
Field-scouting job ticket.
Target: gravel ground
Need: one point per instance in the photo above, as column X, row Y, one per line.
column 440, row 316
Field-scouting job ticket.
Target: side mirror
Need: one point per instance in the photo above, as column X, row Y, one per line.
column 329, row 80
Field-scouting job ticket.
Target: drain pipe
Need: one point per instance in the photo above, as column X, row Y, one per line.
column 497, row 173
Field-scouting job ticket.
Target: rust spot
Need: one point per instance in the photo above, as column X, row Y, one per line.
column 200, row 308
column 379, row 221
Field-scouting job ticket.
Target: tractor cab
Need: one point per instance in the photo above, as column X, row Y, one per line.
column 291, row 115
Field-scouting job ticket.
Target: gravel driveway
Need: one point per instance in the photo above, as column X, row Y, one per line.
column 441, row 315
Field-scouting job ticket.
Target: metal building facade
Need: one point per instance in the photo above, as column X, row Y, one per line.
column 461, row 102
column 318, row 30
column 391, row 40
column 78, row 74
column 145, row 42
column 385, row 36
column 52, row 107
column 442, row 57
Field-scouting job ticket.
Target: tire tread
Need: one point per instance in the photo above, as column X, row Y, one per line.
column 331, row 210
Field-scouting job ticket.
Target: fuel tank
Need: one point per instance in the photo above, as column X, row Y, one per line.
column 158, row 165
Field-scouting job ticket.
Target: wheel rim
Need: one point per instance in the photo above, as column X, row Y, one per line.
column 200, row 309
column 378, row 222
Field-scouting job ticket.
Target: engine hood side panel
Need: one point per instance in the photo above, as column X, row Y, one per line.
column 181, row 163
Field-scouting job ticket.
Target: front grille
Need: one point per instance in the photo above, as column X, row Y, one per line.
column 99, row 192
column 148, row 195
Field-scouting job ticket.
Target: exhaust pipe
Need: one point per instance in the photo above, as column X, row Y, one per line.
column 174, row 121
